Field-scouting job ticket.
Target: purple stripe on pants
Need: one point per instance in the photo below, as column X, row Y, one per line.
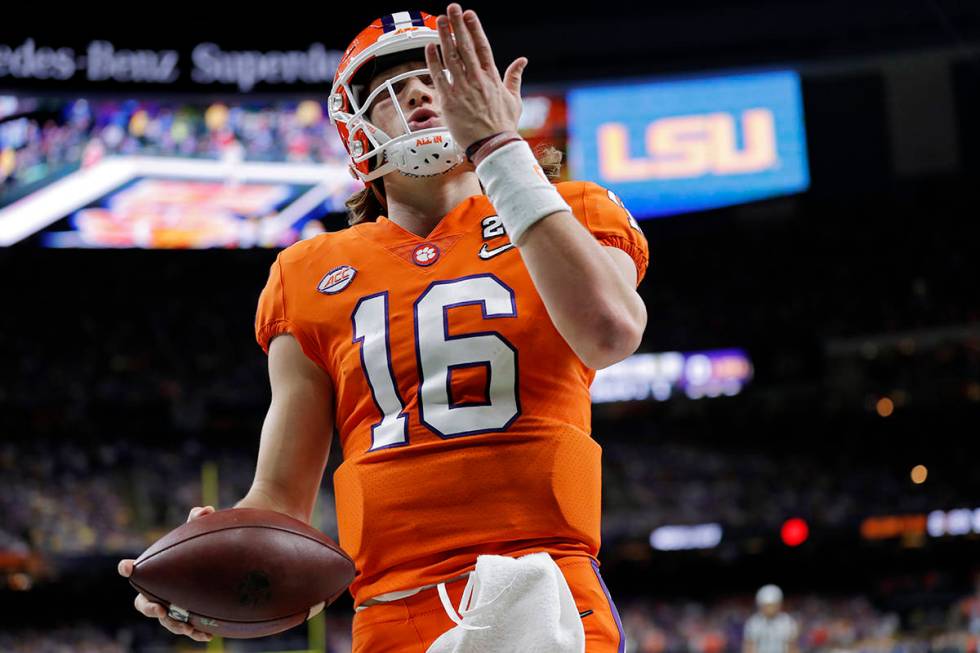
column 612, row 606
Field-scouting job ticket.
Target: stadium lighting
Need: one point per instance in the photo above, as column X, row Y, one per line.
column 795, row 531
column 680, row 538
column 885, row 407
column 919, row 474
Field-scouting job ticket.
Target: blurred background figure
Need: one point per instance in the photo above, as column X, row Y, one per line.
column 770, row 630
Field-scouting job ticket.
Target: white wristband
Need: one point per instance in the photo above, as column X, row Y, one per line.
column 518, row 188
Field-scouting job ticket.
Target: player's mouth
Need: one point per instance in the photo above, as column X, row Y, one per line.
column 423, row 119
column 425, row 124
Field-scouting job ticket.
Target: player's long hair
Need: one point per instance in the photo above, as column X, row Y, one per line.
column 364, row 206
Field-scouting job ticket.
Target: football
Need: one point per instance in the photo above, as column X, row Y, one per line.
column 243, row 572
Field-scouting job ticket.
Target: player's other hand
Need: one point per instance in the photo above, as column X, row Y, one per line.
column 157, row 611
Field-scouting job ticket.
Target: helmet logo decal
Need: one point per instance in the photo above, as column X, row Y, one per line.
column 401, row 21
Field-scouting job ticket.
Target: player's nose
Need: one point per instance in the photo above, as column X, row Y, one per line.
column 418, row 93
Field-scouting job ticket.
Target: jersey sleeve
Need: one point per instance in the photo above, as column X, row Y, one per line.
column 270, row 317
column 605, row 215
column 277, row 314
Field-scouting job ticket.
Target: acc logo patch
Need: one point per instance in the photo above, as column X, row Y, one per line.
column 336, row 280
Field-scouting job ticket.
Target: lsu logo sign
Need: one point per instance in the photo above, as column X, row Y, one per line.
column 691, row 145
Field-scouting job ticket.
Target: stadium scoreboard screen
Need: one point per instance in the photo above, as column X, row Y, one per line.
column 689, row 145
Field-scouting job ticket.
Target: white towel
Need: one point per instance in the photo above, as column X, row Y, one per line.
column 509, row 604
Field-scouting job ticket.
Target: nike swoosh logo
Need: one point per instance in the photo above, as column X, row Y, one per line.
column 486, row 253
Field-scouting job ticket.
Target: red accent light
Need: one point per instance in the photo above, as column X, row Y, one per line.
column 794, row 532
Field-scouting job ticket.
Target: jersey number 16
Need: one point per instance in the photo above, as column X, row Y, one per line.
column 437, row 355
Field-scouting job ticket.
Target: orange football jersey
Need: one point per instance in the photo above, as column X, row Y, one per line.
column 463, row 414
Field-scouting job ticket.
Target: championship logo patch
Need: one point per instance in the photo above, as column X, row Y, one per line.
column 615, row 198
column 425, row 254
column 336, row 280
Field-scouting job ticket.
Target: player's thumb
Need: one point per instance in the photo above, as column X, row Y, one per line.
column 513, row 75
column 199, row 511
column 125, row 567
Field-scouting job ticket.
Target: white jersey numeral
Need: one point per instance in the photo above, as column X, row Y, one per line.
column 438, row 354
column 370, row 320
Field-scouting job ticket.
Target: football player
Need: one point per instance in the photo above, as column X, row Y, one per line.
column 451, row 335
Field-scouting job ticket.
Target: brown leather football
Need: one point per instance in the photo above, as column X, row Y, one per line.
column 243, row 572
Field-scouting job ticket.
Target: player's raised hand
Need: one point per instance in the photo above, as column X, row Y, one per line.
column 476, row 103
column 155, row 610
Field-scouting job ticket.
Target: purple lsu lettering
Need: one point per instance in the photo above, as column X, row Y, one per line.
column 680, row 147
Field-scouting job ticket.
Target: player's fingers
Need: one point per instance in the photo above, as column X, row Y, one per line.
column 147, row 607
column 125, row 568
column 449, row 53
column 480, row 42
column 176, row 627
column 436, row 69
column 464, row 43
column 158, row 612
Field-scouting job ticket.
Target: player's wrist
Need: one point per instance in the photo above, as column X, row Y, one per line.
column 482, row 148
column 518, row 188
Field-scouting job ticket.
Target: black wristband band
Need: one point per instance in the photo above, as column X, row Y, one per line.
column 471, row 150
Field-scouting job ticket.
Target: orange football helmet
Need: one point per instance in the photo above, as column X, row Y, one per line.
column 388, row 41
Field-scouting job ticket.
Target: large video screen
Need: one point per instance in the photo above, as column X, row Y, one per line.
column 77, row 172
column 688, row 145
column 175, row 173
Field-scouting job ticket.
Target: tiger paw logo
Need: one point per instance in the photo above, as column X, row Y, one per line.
column 425, row 254
column 255, row 589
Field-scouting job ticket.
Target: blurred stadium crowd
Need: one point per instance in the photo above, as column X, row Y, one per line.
column 117, row 497
column 55, row 136
column 825, row 625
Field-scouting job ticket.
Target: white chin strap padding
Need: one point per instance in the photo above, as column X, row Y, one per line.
column 426, row 155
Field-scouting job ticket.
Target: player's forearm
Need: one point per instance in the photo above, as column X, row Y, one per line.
column 293, row 451
column 296, row 433
column 595, row 310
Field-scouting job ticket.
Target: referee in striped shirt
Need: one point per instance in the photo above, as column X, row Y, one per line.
column 770, row 630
